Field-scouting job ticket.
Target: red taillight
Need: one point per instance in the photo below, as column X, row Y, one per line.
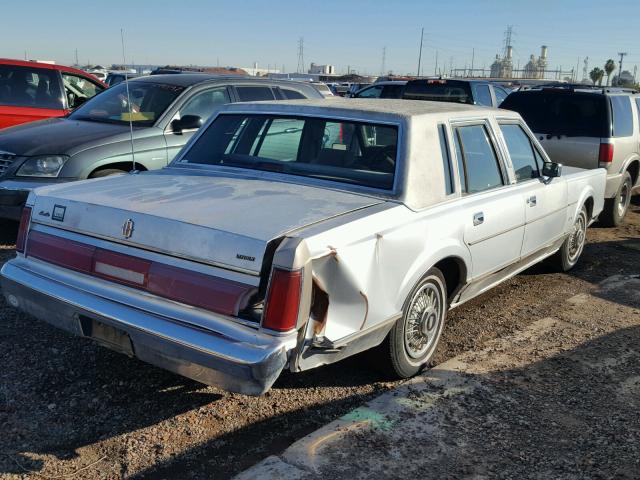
column 283, row 300
column 218, row 295
column 185, row 286
column 606, row 153
column 25, row 218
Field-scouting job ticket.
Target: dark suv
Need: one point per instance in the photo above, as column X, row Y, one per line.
column 588, row 127
column 473, row 92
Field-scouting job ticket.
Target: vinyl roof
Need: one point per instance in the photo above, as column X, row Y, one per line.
column 394, row 107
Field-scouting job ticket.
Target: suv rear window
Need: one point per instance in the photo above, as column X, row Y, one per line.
column 329, row 149
column 30, row 87
column 574, row 114
column 439, row 91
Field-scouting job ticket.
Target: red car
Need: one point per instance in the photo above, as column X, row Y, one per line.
column 32, row 91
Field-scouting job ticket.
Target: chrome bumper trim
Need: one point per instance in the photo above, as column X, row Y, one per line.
column 203, row 355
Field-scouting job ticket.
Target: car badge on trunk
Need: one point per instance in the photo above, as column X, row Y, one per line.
column 127, row 228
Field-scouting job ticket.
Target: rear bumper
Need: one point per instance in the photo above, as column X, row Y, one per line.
column 204, row 355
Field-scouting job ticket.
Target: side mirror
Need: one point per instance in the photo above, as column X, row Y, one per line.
column 188, row 122
column 551, row 169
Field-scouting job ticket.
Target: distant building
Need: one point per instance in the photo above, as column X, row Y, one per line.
column 625, row 79
column 503, row 68
column 322, row 69
column 536, row 67
column 256, row 71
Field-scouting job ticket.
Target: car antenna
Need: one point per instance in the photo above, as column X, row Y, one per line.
column 126, row 83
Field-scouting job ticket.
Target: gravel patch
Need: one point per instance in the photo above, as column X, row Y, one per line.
column 70, row 407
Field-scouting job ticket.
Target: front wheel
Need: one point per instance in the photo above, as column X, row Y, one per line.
column 413, row 340
column 567, row 257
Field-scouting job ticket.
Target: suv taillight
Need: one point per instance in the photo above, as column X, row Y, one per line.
column 606, row 153
column 283, row 300
column 25, row 219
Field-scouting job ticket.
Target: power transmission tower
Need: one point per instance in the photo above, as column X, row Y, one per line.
column 301, row 55
column 77, row 58
column 384, row 61
column 585, row 69
column 622, row 54
column 507, row 39
column 435, row 70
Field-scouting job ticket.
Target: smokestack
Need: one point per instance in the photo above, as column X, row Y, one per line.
column 543, row 52
column 509, row 52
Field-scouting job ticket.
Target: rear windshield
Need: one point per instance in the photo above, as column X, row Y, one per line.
column 330, row 149
column 439, row 91
column 30, row 87
column 561, row 113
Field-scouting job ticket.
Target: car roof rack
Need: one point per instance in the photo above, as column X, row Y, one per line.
column 572, row 87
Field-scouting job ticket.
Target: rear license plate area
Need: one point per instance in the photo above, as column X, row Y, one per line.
column 106, row 335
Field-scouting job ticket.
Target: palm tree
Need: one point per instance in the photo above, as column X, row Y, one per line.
column 609, row 67
column 596, row 75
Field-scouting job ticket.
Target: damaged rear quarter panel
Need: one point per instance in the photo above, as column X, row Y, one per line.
column 368, row 266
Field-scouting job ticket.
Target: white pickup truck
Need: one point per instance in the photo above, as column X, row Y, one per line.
column 294, row 234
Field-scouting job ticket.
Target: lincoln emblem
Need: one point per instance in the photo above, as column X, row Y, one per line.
column 127, row 228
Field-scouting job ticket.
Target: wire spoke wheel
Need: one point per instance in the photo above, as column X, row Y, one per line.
column 423, row 321
column 577, row 238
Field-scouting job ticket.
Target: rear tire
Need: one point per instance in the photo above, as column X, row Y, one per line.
column 414, row 338
column 107, row 172
column 567, row 257
column 616, row 208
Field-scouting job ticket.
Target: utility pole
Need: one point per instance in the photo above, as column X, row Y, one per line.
column 577, row 67
column 420, row 54
column 301, row 55
column 622, row 54
column 473, row 57
column 76, row 57
column 450, row 66
column 435, row 70
column 384, row 60
column 585, row 69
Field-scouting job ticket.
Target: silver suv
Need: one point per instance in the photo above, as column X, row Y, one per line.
column 588, row 127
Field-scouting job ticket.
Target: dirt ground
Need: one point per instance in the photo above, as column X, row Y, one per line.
column 71, row 408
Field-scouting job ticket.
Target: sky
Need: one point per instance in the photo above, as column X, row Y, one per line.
column 347, row 33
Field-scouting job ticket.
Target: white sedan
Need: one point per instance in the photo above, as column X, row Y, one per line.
column 294, row 234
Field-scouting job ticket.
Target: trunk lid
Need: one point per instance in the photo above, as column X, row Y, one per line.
column 221, row 220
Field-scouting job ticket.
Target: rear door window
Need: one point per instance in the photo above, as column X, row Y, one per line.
column 254, row 93
column 501, row 94
column 392, row 91
column 480, row 162
column 30, row 87
column 483, row 95
column 292, row 94
column 204, row 104
column 521, row 151
column 622, row 116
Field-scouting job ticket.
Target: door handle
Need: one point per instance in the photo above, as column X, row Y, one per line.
column 532, row 201
column 478, row 218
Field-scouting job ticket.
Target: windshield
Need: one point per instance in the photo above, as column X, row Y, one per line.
column 573, row 114
column 438, row 91
column 148, row 102
column 338, row 150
